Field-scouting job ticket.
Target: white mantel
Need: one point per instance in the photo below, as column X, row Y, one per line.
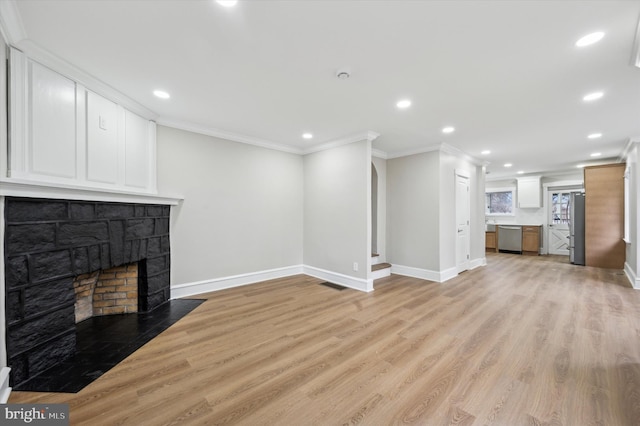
column 18, row 188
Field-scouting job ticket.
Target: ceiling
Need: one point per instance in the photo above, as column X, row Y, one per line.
column 506, row 75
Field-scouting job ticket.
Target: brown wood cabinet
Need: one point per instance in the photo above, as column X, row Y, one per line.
column 490, row 241
column 531, row 240
column 604, row 216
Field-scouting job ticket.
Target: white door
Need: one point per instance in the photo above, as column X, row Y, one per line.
column 462, row 222
column 559, row 221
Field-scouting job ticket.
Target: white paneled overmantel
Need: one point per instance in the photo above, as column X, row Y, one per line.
column 63, row 133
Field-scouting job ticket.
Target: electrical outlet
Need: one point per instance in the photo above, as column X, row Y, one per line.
column 355, row 266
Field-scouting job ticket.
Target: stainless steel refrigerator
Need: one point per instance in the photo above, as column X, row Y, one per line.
column 576, row 228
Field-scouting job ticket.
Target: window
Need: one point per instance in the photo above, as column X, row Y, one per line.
column 499, row 202
column 560, row 207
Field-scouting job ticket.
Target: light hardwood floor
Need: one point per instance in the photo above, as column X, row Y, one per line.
column 522, row 341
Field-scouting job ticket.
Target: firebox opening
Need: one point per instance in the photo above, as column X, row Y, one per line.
column 107, row 292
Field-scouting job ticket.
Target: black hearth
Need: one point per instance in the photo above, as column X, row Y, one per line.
column 47, row 244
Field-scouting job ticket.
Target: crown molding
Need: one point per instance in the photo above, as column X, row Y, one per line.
column 632, row 143
column 408, row 152
column 223, row 134
column 379, row 154
column 369, row 136
column 11, row 25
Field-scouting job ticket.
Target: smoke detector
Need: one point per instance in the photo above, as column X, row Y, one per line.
column 343, row 73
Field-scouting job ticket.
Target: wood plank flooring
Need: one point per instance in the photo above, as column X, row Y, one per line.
column 522, row 341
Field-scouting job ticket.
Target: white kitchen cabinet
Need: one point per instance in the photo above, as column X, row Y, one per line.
column 63, row 134
column 529, row 192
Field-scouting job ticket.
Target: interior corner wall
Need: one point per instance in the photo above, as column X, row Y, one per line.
column 242, row 208
column 413, row 222
column 632, row 264
column 381, row 168
column 337, row 210
column 447, row 206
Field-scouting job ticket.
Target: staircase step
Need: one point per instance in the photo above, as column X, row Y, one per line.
column 379, row 266
column 375, row 258
column 380, row 270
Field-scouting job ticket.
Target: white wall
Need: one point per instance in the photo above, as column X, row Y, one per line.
column 448, row 165
column 3, row 149
column 337, row 206
column 413, row 228
column 242, row 208
column 632, row 264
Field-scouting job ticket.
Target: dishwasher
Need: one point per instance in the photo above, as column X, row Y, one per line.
column 510, row 238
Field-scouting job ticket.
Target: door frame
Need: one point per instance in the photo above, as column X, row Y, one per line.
column 465, row 265
column 564, row 185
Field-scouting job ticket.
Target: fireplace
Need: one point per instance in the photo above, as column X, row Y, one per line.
column 50, row 243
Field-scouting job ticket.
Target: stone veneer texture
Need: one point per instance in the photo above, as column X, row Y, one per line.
column 47, row 244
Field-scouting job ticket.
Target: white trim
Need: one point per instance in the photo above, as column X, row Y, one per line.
column 379, row 154
column 442, row 147
column 476, row 263
column 5, row 390
column 635, row 52
column 59, row 65
column 631, row 276
column 223, row 134
column 23, row 188
column 215, row 284
column 361, row 284
column 425, row 274
column 628, row 148
column 369, row 136
column 11, row 22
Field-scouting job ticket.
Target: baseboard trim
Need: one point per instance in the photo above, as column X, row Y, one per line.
column 476, row 263
column 215, row 284
column 361, row 284
column 631, row 276
column 410, row 271
column 5, row 390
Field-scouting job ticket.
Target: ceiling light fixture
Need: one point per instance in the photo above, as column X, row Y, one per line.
column 448, row 129
column 581, row 166
column 485, row 152
column 594, row 135
column 592, row 96
column 520, row 172
column 307, row 135
column 227, row 3
column 405, row 103
column 343, row 73
column 161, row 94
column 590, row 39
column 596, row 154
column 508, row 164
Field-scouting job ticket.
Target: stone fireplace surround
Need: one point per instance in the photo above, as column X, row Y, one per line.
column 48, row 242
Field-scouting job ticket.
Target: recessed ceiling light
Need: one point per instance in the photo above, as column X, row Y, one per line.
column 596, row 154
column 448, row 129
column 581, row 166
column 227, row 3
column 405, row 103
column 485, row 152
column 595, row 135
column 508, row 164
column 161, row 94
column 307, row 135
column 520, row 172
column 590, row 39
column 592, row 96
